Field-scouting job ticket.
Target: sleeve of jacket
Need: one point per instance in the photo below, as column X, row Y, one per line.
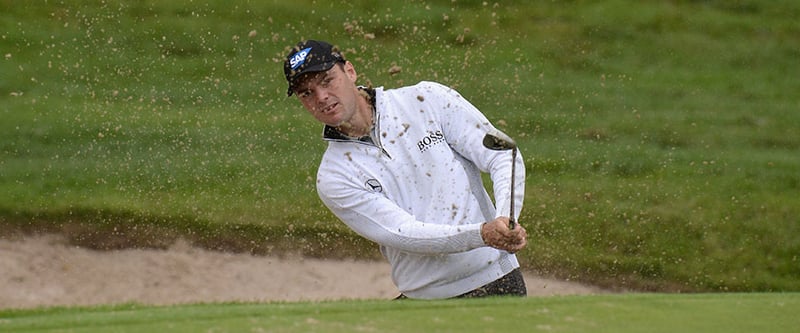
column 376, row 218
column 464, row 127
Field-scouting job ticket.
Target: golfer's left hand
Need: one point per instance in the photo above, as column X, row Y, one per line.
column 497, row 234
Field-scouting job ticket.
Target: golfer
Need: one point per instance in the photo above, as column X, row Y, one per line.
column 403, row 169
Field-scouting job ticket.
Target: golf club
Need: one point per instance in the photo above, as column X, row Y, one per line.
column 497, row 140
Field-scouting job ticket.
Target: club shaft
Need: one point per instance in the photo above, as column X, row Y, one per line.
column 512, row 220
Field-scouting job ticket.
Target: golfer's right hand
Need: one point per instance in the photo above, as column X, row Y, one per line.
column 496, row 234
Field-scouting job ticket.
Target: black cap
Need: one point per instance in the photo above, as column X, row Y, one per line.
column 308, row 57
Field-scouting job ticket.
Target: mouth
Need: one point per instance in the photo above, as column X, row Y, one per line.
column 328, row 109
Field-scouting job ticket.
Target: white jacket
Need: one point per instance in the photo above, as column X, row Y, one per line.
column 417, row 190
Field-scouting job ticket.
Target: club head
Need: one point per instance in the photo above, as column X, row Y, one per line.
column 496, row 140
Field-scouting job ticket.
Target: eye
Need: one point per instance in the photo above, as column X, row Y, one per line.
column 304, row 93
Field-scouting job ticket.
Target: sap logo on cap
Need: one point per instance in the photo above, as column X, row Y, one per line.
column 299, row 58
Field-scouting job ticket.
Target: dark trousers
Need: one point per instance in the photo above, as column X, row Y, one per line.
column 511, row 284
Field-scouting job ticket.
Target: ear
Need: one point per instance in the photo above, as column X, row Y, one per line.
column 350, row 71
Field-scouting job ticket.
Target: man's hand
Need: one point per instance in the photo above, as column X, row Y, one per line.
column 496, row 234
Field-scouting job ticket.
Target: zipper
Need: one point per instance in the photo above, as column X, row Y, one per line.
column 374, row 142
column 375, row 135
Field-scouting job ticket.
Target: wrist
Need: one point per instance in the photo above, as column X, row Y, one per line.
column 483, row 235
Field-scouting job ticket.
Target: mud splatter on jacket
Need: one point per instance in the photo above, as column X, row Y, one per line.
column 414, row 187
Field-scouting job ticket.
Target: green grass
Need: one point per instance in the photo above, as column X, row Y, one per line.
column 708, row 313
column 661, row 138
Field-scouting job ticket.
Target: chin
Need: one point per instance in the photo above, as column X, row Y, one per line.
column 333, row 124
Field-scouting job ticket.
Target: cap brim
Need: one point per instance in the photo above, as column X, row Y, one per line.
column 311, row 69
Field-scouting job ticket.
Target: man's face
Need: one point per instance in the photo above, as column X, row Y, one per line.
column 330, row 96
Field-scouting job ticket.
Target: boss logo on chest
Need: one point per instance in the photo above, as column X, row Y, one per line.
column 430, row 140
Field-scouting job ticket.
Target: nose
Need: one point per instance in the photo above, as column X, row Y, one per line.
column 320, row 98
column 320, row 94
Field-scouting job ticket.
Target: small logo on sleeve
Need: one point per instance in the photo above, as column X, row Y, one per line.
column 374, row 186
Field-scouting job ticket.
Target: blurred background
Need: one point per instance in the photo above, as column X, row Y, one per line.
column 662, row 138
